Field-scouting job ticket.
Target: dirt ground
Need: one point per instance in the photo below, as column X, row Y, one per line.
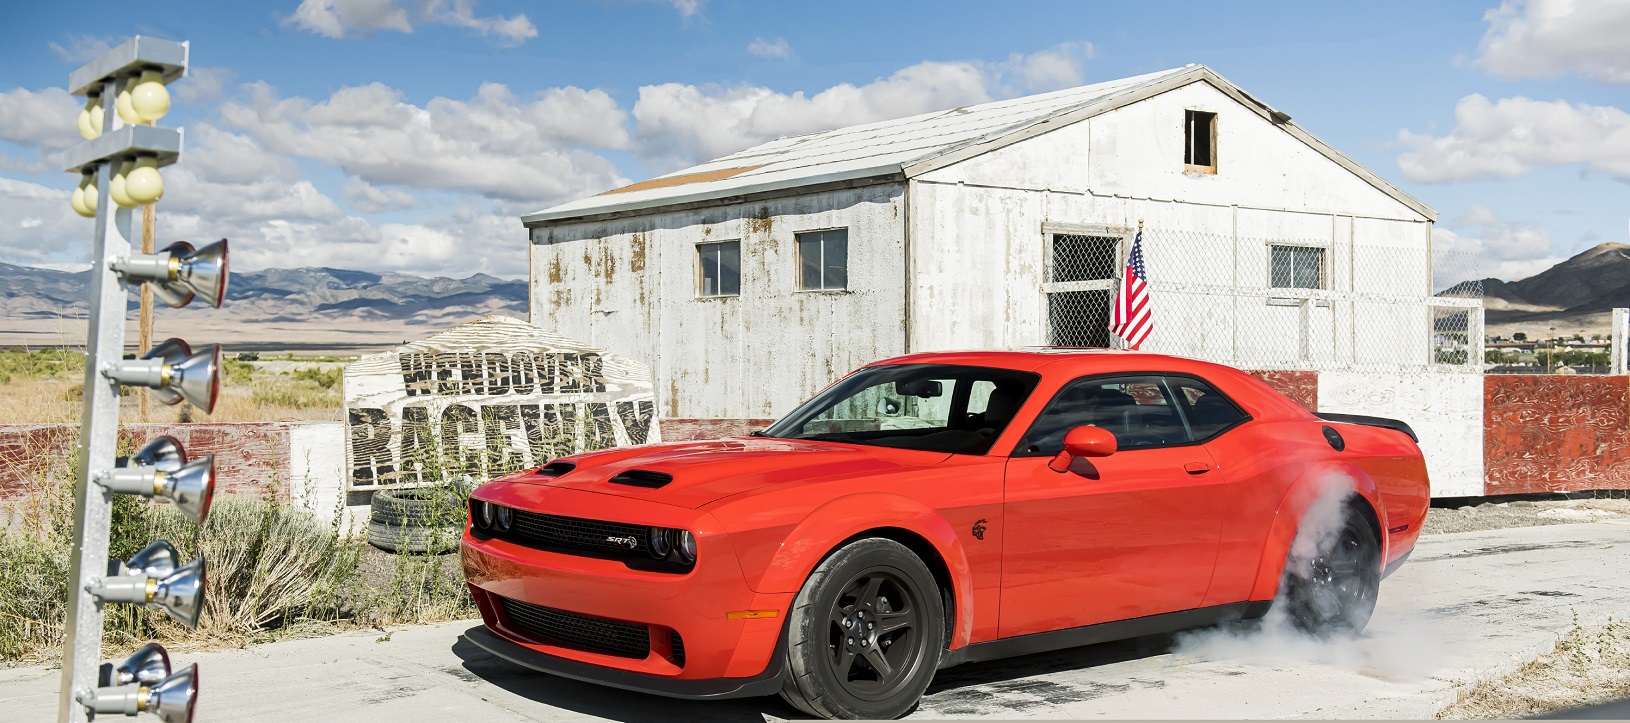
column 1590, row 664
column 1523, row 513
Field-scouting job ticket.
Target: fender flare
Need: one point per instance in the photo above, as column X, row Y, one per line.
column 827, row 527
column 1300, row 496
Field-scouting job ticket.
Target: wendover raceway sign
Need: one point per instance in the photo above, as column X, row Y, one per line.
column 487, row 398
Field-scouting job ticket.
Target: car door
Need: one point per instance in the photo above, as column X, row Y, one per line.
column 1117, row 537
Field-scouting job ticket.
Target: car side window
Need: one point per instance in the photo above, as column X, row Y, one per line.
column 1138, row 410
column 1208, row 411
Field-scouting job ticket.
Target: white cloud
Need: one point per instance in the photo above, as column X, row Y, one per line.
column 494, row 144
column 354, row 18
column 40, row 228
column 777, row 49
column 1539, row 38
column 679, row 124
column 687, row 8
column 80, row 48
column 43, row 120
column 1483, row 245
column 201, row 84
column 368, row 198
column 1514, row 136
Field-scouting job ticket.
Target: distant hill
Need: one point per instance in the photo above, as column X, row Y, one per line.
column 1576, row 294
column 275, row 305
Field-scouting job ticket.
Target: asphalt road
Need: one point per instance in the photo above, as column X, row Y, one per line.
column 1467, row 606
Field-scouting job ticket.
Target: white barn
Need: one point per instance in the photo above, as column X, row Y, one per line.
column 751, row 281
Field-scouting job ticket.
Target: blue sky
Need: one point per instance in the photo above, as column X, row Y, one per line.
column 408, row 135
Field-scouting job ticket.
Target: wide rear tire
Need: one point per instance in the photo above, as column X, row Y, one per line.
column 865, row 634
column 1332, row 592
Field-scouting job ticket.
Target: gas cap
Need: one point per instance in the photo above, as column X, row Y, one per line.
column 1334, row 438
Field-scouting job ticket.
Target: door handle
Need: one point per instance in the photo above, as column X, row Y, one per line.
column 1197, row 468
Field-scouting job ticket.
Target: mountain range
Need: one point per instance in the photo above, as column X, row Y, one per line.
column 303, row 308
column 1574, row 296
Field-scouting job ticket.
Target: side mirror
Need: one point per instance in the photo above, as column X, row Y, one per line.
column 1084, row 442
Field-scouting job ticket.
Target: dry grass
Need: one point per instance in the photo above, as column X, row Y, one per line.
column 1589, row 665
column 46, row 387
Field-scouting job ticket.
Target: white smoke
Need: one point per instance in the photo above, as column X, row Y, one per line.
column 1393, row 644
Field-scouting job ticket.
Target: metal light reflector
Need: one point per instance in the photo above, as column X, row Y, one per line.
column 179, row 272
column 171, row 699
column 174, row 372
column 149, row 665
column 190, row 486
column 180, row 593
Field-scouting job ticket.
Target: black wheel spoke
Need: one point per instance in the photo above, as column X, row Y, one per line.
column 879, row 663
column 873, row 585
column 892, row 623
column 845, row 661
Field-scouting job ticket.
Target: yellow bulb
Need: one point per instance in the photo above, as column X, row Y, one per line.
column 91, row 194
column 116, row 190
column 78, row 202
column 144, row 185
column 149, row 98
column 122, row 103
column 85, row 124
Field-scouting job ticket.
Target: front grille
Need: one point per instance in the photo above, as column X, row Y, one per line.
column 583, row 632
column 575, row 533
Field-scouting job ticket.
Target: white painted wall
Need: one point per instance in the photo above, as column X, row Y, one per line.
column 629, row 286
column 1445, row 410
column 317, row 473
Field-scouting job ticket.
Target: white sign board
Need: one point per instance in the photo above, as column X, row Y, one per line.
column 487, row 398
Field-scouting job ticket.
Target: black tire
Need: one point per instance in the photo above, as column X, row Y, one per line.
column 1333, row 591
column 875, row 585
column 428, row 520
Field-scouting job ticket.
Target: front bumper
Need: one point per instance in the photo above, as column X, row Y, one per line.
column 765, row 683
column 722, row 657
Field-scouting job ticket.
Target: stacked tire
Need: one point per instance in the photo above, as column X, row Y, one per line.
column 427, row 520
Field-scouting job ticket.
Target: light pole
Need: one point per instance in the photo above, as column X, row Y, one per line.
column 119, row 163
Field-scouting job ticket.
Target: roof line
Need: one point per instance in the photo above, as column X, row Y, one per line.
column 1002, row 138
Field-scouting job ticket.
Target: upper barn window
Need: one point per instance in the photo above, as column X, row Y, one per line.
column 1199, row 141
column 718, row 268
column 823, row 260
column 1295, row 267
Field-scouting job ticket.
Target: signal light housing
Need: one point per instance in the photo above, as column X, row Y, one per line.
column 172, row 699
column 180, row 272
column 173, row 372
column 180, row 593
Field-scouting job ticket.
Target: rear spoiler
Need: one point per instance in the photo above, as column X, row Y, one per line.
column 1382, row 422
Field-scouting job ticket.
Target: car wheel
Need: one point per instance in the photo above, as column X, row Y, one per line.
column 1333, row 591
column 427, row 520
column 865, row 634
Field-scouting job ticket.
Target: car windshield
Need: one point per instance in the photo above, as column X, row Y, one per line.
column 927, row 407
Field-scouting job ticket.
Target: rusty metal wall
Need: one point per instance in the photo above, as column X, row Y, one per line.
column 1555, row 433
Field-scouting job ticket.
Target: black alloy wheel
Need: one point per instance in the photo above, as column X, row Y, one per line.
column 1334, row 592
column 865, row 635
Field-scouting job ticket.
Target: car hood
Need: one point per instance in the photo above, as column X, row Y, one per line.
column 704, row 472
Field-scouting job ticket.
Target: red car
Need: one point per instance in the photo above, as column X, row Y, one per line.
column 936, row 509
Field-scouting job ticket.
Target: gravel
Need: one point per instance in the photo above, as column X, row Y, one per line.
column 1523, row 513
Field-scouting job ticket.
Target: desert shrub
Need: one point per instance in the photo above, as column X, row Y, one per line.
column 47, row 363
column 325, row 378
column 238, row 372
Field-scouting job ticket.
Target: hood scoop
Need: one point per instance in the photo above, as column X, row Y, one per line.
column 556, row 469
column 642, row 478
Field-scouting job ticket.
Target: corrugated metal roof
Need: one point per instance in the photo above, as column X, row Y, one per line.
column 901, row 147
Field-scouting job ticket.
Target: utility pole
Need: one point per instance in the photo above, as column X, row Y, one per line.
column 144, row 333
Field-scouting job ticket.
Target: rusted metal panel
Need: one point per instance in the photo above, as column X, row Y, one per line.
column 1301, row 386
column 1555, row 433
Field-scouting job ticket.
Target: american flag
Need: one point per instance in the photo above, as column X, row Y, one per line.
column 1130, row 319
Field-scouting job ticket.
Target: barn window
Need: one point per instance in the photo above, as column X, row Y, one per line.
column 718, row 267
column 1080, row 282
column 823, row 260
column 1199, row 141
column 1296, row 267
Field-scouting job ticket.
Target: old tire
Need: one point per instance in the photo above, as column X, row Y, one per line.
column 1332, row 592
column 429, row 520
column 865, row 634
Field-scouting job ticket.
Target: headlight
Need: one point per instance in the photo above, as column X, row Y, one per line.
column 660, row 545
column 685, row 543
column 483, row 517
column 503, row 518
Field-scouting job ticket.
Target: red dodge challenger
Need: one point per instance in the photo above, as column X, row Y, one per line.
column 936, row 509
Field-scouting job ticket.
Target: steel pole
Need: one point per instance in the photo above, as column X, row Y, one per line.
column 1619, row 341
column 99, row 435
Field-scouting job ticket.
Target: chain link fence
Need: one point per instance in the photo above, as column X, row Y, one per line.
column 1342, row 301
